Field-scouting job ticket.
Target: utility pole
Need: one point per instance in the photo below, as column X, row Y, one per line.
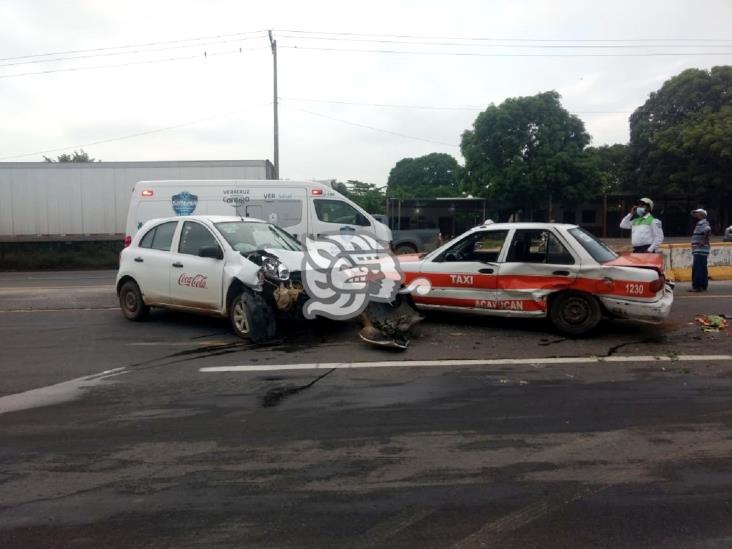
column 273, row 44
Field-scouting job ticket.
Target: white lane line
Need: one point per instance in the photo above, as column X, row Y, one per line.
column 472, row 362
column 55, row 394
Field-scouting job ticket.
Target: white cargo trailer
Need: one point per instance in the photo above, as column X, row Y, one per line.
column 43, row 201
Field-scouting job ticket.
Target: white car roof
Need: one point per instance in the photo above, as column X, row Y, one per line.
column 209, row 218
column 524, row 225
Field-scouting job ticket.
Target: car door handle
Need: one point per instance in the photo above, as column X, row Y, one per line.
column 178, row 264
column 487, row 270
column 139, row 259
column 561, row 273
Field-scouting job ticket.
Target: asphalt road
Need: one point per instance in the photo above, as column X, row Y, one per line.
column 121, row 434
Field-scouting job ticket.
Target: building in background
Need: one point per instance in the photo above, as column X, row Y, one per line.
column 52, row 201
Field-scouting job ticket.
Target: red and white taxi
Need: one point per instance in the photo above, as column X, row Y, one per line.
column 539, row 270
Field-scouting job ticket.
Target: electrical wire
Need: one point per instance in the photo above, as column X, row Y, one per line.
column 126, row 52
column 358, row 125
column 139, row 134
column 425, row 107
column 493, row 45
column 204, row 56
column 482, row 54
column 494, row 39
column 65, row 52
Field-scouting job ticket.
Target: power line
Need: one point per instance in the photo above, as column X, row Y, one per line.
column 358, row 125
column 204, row 56
column 482, row 54
column 494, row 45
column 126, row 52
column 65, row 52
column 425, row 107
column 495, row 39
column 139, row 134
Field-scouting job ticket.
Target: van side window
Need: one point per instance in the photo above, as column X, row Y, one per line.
column 193, row 237
column 164, row 236
column 147, row 240
column 337, row 211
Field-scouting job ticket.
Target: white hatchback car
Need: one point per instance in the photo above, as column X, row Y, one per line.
column 241, row 268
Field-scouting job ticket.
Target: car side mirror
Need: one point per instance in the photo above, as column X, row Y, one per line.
column 214, row 252
column 450, row 256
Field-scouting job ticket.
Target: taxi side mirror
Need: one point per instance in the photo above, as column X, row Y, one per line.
column 214, row 252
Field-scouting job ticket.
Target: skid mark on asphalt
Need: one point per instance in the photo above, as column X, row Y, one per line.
column 277, row 394
column 466, row 362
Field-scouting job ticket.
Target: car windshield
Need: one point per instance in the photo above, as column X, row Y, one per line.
column 599, row 251
column 247, row 236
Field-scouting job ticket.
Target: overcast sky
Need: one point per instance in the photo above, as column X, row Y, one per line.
column 219, row 106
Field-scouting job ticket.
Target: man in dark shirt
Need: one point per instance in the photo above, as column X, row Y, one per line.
column 700, row 248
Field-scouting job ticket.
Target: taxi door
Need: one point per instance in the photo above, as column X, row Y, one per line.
column 538, row 262
column 196, row 281
column 465, row 276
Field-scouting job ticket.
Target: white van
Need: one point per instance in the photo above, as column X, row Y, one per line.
column 300, row 207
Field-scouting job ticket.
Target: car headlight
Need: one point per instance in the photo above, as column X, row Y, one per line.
column 275, row 269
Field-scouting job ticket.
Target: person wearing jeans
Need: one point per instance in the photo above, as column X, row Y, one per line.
column 700, row 248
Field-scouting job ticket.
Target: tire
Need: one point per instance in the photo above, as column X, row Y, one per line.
column 251, row 318
column 574, row 313
column 131, row 302
column 402, row 249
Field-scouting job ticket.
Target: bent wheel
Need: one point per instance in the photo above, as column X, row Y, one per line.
column 251, row 318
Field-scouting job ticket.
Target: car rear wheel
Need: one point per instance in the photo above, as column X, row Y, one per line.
column 251, row 318
column 131, row 302
column 574, row 313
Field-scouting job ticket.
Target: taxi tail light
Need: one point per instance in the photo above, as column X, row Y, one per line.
column 658, row 284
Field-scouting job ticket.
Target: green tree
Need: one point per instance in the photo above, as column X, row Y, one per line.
column 681, row 137
column 76, row 156
column 612, row 166
column 367, row 195
column 428, row 176
column 528, row 153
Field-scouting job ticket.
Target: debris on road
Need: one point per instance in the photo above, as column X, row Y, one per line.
column 389, row 324
column 711, row 323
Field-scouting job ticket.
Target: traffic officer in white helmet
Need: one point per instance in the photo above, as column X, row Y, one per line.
column 646, row 230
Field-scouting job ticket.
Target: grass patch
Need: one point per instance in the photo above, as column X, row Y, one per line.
column 30, row 256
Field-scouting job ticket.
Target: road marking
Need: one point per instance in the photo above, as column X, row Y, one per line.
column 55, row 394
column 472, row 362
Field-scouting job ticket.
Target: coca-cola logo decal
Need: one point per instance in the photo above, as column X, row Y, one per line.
column 192, row 281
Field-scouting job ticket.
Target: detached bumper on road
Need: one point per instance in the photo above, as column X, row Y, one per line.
column 647, row 311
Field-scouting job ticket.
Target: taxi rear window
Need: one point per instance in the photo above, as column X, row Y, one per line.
column 599, row 251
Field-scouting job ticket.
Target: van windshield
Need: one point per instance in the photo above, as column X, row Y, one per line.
column 246, row 236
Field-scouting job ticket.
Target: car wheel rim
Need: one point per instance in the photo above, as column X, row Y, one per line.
column 576, row 311
column 130, row 302
column 240, row 318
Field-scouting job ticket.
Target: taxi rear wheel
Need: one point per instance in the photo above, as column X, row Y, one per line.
column 574, row 313
column 131, row 302
column 251, row 318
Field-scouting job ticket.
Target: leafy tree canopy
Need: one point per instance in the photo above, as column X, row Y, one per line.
column 430, row 176
column 681, row 137
column 612, row 166
column 367, row 195
column 528, row 152
column 76, row 156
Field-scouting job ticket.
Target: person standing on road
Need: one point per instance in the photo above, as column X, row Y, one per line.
column 700, row 248
column 646, row 231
